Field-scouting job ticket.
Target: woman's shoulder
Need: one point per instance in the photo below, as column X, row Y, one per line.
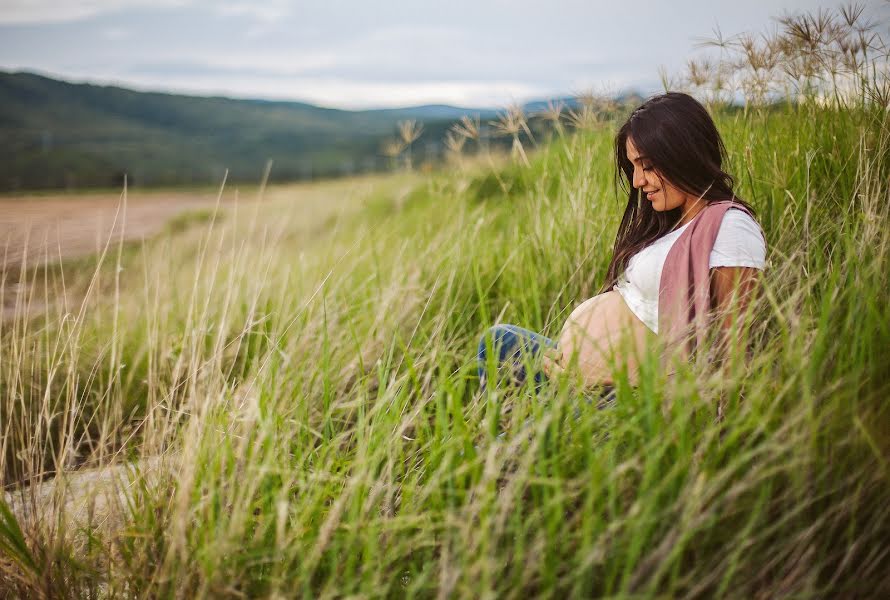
column 737, row 218
column 740, row 241
column 732, row 207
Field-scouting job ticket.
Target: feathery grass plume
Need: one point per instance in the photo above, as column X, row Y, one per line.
column 392, row 148
column 512, row 122
column 804, row 45
column 721, row 88
column 588, row 97
column 589, row 110
column 468, row 128
column 699, row 74
column 600, row 102
column 835, row 55
column 606, row 102
column 669, row 82
column 471, row 128
column 584, row 118
column 877, row 90
column 760, row 57
column 454, row 145
column 409, row 132
column 552, row 114
column 722, row 84
column 811, row 57
column 855, row 39
column 716, row 40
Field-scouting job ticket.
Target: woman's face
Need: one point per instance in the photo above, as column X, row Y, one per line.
column 655, row 188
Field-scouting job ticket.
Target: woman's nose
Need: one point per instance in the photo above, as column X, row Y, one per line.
column 638, row 179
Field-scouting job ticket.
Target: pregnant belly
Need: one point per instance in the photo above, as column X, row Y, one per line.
column 602, row 333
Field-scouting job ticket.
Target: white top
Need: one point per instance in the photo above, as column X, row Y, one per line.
column 739, row 243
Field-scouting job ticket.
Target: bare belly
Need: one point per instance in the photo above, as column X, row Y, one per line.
column 600, row 333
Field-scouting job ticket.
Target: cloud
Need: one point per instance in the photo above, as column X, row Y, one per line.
column 348, row 94
column 403, row 53
column 328, row 91
column 116, row 34
column 30, row 12
column 267, row 11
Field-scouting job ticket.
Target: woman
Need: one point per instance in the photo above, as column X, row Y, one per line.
column 687, row 248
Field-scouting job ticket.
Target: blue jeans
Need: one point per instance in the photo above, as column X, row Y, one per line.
column 515, row 348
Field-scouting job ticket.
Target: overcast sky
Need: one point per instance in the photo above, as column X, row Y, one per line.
column 363, row 53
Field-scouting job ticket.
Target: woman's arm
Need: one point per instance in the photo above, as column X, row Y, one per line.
column 733, row 290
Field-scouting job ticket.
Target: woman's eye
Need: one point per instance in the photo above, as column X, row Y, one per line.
column 647, row 168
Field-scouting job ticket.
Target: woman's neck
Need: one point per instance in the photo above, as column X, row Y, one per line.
column 690, row 209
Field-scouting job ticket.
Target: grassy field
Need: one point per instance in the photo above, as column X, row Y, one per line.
column 300, row 411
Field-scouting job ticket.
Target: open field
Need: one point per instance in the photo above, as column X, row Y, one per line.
column 276, row 404
column 41, row 229
column 299, row 406
column 51, row 227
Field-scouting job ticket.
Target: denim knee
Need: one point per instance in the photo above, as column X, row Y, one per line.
column 501, row 338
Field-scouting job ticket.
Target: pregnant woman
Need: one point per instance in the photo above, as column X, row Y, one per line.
column 687, row 250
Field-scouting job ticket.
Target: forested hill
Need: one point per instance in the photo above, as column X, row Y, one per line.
column 59, row 134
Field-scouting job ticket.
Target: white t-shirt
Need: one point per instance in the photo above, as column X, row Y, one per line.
column 739, row 243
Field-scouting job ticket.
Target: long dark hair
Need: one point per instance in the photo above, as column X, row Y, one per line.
column 682, row 143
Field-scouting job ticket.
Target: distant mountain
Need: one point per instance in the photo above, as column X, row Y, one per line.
column 539, row 105
column 58, row 134
column 436, row 111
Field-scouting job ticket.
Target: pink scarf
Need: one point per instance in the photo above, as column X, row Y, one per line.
column 684, row 291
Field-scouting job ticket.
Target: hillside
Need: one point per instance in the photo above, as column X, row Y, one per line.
column 57, row 134
column 300, row 397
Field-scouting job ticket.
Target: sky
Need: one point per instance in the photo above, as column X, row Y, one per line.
column 372, row 54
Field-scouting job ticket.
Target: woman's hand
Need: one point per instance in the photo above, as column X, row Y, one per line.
column 551, row 360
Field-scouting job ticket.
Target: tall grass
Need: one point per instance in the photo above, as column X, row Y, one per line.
column 300, row 413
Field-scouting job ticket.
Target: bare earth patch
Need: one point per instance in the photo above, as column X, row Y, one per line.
column 86, row 497
column 36, row 230
column 41, row 229
column 50, row 228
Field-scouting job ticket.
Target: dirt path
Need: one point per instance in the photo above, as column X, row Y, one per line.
column 42, row 229
column 36, row 230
